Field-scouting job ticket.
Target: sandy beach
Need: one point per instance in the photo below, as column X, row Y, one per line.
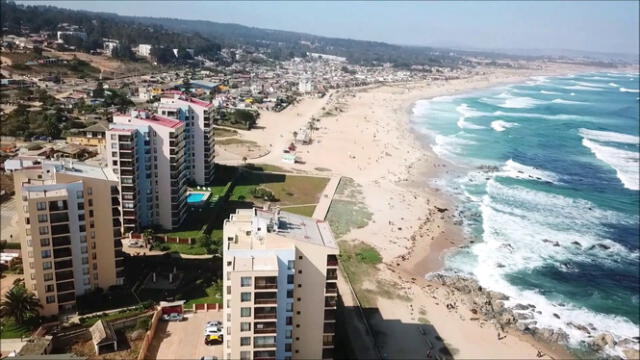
column 368, row 138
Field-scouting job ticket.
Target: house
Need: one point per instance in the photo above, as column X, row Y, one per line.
column 93, row 135
column 144, row 50
column 103, row 336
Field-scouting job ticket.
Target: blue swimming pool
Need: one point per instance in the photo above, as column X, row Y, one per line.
column 195, row 197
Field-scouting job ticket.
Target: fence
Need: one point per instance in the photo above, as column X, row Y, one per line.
column 206, row 307
column 148, row 337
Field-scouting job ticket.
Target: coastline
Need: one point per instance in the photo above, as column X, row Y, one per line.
column 369, row 139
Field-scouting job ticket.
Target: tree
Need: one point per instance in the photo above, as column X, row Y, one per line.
column 186, row 83
column 147, row 235
column 20, row 304
column 98, row 92
column 204, row 241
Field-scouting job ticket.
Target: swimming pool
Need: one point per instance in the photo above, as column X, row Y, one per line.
column 195, row 197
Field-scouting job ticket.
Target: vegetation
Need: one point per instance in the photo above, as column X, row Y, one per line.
column 288, row 189
column 10, row 330
column 122, row 314
column 222, row 132
column 102, row 25
column 301, row 210
column 347, row 210
column 20, row 304
column 25, row 123
column 238, row 118
column 213, row 295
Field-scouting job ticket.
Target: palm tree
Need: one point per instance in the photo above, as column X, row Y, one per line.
column 147, row 234
column 20, row 304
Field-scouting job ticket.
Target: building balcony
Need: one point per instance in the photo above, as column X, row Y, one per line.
column 330, row 301
column 330, row 315
column 64, row 275
column 332, row 260
column 59, row 229
column 61, row 241
column 66, row 298
column 64, row 286
column 264, row 327
column 331, row 288
column 55, row 206
column 266, row 283
column 61, row 253
column 266, row 298
column 264, row 313
column 329, row 328
column 332, row 274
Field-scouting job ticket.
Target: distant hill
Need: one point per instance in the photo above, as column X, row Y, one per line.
column 15, row 18
column 207, row 37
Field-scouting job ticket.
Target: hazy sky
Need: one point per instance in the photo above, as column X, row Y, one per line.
column 608, row 26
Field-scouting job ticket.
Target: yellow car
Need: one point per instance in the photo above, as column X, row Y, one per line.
column 213, row 339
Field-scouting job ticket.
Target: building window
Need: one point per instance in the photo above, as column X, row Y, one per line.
column 48, row 288
column 245, row 312
column 45, row 242
column 245, row 296
column 245, row 281
column 289, row 279
column 289, row 320
column 288, row 334
column 90, row 202
column 244, row 355
column 245, row 341
column 83, row 239
column 46, row 265
column 287, row 347
column 33, row 276
column 51, row 299
column 245, row 326
column 79, row 194
column 42, row 218
column 44, row 230
column 41, row 205
column 85, row 260
column 290, row 264
column 85, row 270
column 45, row 254
column 83, row 250
column 289, row 307
column 48, row 276
column 290, row 294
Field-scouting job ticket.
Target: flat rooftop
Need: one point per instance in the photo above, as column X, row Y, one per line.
column 269, row 236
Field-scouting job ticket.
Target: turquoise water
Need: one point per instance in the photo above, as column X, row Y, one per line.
column 195, row 198
column 548, row 192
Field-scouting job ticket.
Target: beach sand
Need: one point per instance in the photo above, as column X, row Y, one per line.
column 368, row 138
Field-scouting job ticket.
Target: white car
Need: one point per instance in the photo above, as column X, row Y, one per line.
column 212, row 330
column 215, row 323
column 172, row 317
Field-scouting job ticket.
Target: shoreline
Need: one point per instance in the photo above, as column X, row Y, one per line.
column 369, row 137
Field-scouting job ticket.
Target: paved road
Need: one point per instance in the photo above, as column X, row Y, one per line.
column 7, row 220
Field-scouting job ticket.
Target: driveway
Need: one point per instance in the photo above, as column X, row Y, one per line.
column 185, row 339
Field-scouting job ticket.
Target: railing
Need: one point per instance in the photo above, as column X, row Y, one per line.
column 265, row 316
column 265, row 286
column 264, row 331
column 265, row 301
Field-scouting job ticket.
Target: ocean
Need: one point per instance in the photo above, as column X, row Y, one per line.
column 546, row 182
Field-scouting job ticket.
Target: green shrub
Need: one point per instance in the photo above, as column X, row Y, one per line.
column 368, row 255
column 143, row 324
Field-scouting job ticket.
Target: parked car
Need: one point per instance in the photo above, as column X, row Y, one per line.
column 216, row 323
column 212, row 330
column 135, row 244
column 172, row 317
column 213, row 339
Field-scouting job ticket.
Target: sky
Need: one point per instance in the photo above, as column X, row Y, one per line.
column 606, row 26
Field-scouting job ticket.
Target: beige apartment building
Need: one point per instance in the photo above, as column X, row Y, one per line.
column 71, row 236
column 147, row 154
column 280, row 290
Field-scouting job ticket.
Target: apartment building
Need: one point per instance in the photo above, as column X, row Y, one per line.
column 71, row 239
column 198, row 118
column 147, row 154
column 280, row 290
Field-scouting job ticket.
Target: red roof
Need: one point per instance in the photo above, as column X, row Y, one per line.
column 199, row 102
column 164, row 121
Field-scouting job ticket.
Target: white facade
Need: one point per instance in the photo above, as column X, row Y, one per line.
column 199, row 131
column 144, row 50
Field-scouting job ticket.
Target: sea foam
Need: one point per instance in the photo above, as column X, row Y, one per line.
column 519, row 171
column 501, row 125
column 520, row 103
column 624, row 162
column 629, row 90
column 609, row 136
column 562, row 101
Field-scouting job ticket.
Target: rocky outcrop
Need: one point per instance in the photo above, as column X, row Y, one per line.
column 520, row 317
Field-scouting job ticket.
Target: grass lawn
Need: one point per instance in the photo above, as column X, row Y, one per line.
column 183, row 248
column 267, row 168
column 10, row 330
column 289, row 189
column 214, row 296
column 301, row 210
column 222, row 132
column 86, row 322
